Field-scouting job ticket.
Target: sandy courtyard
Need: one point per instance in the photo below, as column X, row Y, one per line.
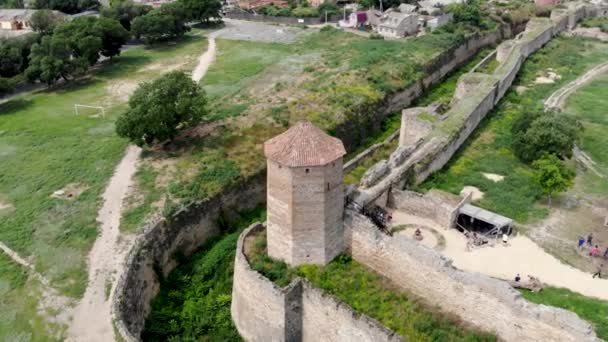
column 521, row 256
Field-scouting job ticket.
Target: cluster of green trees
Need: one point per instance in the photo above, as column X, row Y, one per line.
column 169, row 21
column 302, row 9
column 69, row 48
column 63, row 49
column 546, row 140
column 14, row 60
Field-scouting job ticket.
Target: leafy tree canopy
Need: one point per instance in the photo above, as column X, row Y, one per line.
column 44, row 21
column 165, row 23
column 10, row 59
column 159, row 109
column 548, row 133
column 124, row 11
column 52, row 59
column 202, row 10
column 552, row 175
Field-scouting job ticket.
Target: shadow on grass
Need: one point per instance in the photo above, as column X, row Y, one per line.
column 11, row 106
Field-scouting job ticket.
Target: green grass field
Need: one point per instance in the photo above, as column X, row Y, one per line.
column 589, row 105
column 44, row 146
column 489, row 147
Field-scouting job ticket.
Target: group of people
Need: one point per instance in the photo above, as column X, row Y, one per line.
column 594, row 252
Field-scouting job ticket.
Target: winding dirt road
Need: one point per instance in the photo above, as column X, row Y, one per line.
column 92, row 317
column 557, row 100
column 92, row 320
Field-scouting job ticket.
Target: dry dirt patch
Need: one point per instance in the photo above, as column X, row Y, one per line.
column 493, row 177
column 121, row 90
column 476, row 194
column 5, row 206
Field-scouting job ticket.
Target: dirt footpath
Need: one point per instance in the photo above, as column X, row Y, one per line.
column 521, row 256
column 92, row 317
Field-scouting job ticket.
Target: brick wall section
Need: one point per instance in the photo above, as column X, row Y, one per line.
column 305, row 206
column 327, row 319
column 264, row 312
column 487, row 303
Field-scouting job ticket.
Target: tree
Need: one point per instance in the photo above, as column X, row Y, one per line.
column 165, row 23
column 10, row 59
column 125, row 11
column 52, row 59
column 7, row 85
column 549, row 133
column 202, row 10
column 113, row 36
column 44, row 21
column 159, row 109
column 552, row 175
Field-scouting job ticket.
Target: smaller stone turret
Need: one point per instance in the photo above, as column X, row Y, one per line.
column 305, row 195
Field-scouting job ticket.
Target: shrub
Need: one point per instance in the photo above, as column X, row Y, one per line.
column 305, row 12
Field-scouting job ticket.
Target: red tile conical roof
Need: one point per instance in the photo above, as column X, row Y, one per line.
column 303, row 144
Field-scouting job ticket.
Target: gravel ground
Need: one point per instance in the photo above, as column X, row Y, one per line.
column 259, row 32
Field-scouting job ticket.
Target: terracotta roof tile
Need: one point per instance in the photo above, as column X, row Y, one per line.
column 303, row 144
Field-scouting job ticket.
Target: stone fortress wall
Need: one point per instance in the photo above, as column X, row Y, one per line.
column 297, row 312
column 154, row 251
column 263, row 311
column 475, row 96
column 484, row 302
column 487, row 303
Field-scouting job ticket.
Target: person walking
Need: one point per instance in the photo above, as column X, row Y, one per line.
column 590, row 239
column 581, row 242
column 599, row 272
column 606, row 254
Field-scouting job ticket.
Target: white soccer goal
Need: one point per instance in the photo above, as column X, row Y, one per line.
column 100, row 108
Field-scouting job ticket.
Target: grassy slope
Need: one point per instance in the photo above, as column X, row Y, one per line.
column 441, row 93
column 257, row 89
column 43, row 147
column 194, row 301
column 589, row 105
column 591, row 309
column 488, row 149
column 369, row 293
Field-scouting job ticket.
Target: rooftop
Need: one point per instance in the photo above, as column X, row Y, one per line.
column 303, row 144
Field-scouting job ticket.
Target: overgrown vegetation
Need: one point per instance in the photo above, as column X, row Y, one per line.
column 601, row 22
column 369, row 293
column 592, row 310
column 490, row 148
column 194, row 301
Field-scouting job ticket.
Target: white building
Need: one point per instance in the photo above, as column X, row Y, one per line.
column 398, row 25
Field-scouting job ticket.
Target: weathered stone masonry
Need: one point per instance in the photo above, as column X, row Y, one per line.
column 153, row 253
column 297, row 312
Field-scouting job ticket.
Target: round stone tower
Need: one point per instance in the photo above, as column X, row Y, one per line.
column 305, row 196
